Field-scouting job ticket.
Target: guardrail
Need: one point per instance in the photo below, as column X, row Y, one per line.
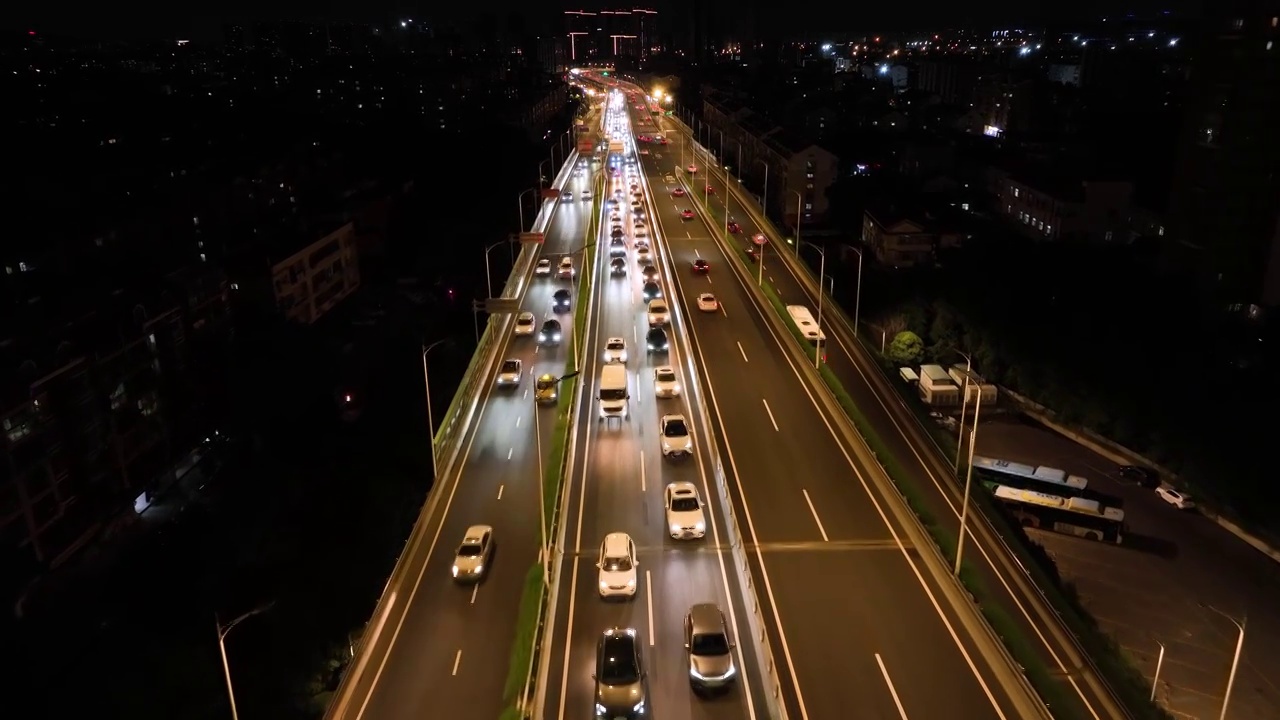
column 978, row 524
column 447, row 442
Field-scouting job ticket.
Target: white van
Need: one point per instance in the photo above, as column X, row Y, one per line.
column 614, row 393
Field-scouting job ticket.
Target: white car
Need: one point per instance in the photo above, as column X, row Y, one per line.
column 472, row 558
column 509, row 373
column 708, row 303
column 640, row 232
column 615, row 350
column 665, row 382
column 525, row 324
column 685, row 520
column 566, row 271
column 543, row 268
column 586, row 194
column 617, row 565
column 676, row 440
column 659, row 314
column 1175, row 497
column 643, row 256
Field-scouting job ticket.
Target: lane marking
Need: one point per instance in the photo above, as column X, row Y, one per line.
column 517, row 421
column 526, row 390
column 722, row 310
column 509, row 452
column 642, row 487
column 892, row 691
column 475, row 589
column 767, row 410
column 744, row 352
column 708, row 277
column 648, row 591
column 456, row 659
column 500, row 491
column 813, row 511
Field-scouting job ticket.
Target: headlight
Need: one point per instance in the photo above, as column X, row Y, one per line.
column 675, row 528
column 639, row 707
column 688, row 444
column 624, row 356
column 600, row 709
column 696, row 526
column 604, row 585
column 455, row 571
column 631, row 582
column 675, row 388
column 480, row 568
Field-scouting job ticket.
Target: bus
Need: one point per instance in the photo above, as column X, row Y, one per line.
column 804, row 320
column 993, row 472
column 1088, row 519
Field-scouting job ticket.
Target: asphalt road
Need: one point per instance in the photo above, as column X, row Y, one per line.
column 1152, row 589
column 940, row 492
column 449, row 657
column 854, row 622
column 616, row 485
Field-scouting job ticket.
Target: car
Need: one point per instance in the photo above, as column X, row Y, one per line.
column 615, row 350
column 1143, row 476
column 641, row 236
column 753, row 253
column 543, row 268
column 474, row 553
column 708, row 649
column 566, row 271
column 550, row 333
column 619, row 676
column 665, row 382
column 711, row 190
column 759, row 239
column 693, row 169
column 656, row 340
column 676, row 438
column 618, row 266
column 649, row 274
column 686, row 214
column 525, row 324
column 635, row 187
column 617, row 247
column 701, row 266
column 586, row 194
column 509, row 374
column 734, row 227
column 560, row 301
column 1175, row 497
column 546, row 389
column 659, row 313
column 651, row 290
column 637, row 207
column 567, row 195
column 708, row 303
column 613, row 203
column 644, row 255
column 617, row 565
column 683, row 507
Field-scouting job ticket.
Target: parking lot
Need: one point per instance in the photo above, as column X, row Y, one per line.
column 1163, row 585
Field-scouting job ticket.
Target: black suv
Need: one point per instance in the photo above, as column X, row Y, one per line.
column 561, row 300
column 656, row 339
column 652, row 291
column 550, row 333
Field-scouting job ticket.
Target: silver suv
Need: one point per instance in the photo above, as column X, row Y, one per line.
column 619, row 676
column 709, row 649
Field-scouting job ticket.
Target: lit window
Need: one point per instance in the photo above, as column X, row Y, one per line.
column 1015, row 192
column 1048, row 229
column 1160, row 231
column 808, row 206
column 1107, row 237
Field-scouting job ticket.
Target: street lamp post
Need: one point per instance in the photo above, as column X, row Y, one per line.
column 431, row 422
column 487, row 276
column 799, row 211
column 520, row 205
column 822, row 270
column 545, row 547
column 543, row 179
column 222, row 649
column 1235, row 660
column 964, row 403
column 573, row 45
column 1155, row 681
column 857, row 296
column 968, row 480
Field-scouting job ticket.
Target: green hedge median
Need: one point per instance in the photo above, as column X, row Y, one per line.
column 526, row 629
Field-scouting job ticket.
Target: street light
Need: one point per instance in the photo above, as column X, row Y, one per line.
column 964, row 403
column 487, row 276
column 520, row 204
column 1155, row 681
column 968, row 480
column 431, row 423
column 222, row 648
column 857, row 297
column 1235, row 661
column 822, row 270
column 542, row 179
column 573, row 38
column 799, row 210
column 544, row 551
column 764, row 197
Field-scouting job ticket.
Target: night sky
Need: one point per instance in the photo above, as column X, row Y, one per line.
column 202, row 19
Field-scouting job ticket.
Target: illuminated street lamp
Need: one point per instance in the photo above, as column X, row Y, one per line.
column 520, row 203
column 487, row 277
column 1235, row 660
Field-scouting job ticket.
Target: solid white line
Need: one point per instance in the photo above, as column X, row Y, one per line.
column 456, row 659
column 766, row 409
column 509, row 452
column 744, row 353
column 500, row 491
column 889, row 681
column 475, row 589
column 648, row 591
column 642, row 488
column 814, row 512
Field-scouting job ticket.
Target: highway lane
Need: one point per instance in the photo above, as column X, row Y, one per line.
column 616, row 485
column 845, row 592
column 907, row 442
column 451, row 651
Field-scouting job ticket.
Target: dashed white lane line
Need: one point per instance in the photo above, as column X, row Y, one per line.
column 500, row 491
column 814, row 512
column 744, row 352
column 902, row 713
column 456, row 660
column 770, row 412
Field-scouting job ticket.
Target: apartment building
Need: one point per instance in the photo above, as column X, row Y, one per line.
column 900, row 239
column 1050, row 206
column 313, row 280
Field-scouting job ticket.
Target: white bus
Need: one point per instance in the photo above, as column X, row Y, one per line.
column 1085, row 518
column 808, row 327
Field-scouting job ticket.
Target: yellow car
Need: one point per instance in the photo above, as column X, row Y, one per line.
column 547, row 389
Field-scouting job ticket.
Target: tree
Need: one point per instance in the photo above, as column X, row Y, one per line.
column 946, row 328
column 906, row 349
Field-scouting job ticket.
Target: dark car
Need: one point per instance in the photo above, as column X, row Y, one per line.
column 734, row 227
column 1143, row 476
column 616, row 232
column 620, row 676
column 550, row 333
column 701, row 266
column 560, row 301
column 652, row 290
column 656, row 340
column 618, row 266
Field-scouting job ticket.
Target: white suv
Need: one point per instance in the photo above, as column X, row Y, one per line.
column 659, row 314
column 675, row 436
column 683, row 507
column 615, row 350
column 617, row 565
column 1175, row 498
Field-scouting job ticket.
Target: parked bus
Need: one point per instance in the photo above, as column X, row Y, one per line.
column 993, row 472
column 803, row 319
column 1077, row 516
